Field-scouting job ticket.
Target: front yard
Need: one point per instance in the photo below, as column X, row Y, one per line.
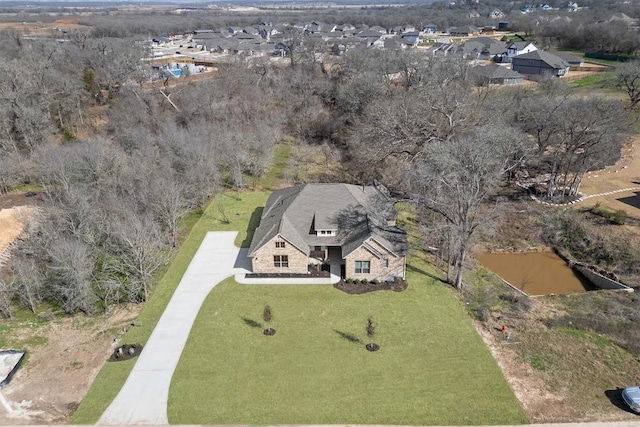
column 432, row 367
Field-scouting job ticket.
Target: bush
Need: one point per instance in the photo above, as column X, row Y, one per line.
column 618, row 217
column 517, row 302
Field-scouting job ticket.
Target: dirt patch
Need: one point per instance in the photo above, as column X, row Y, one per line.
column 64, row 356
column 558, row 377
column 16, row 210
column 539, row 403
column 624, row 174
column 51, row 29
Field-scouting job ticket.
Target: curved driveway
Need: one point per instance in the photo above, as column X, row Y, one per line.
column 143, row 398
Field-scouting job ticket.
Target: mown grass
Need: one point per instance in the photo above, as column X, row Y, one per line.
column 316, row 370
column 603, row 81
column 228, row 211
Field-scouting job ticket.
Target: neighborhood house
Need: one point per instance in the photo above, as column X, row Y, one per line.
column 349, row 230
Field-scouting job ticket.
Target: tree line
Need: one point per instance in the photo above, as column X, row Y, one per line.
column 119, row 164
column 122, row 163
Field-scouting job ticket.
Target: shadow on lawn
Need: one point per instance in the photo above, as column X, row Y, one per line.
column 251, row 323
column 254, row 221
column 411, row 267
column 349, row 337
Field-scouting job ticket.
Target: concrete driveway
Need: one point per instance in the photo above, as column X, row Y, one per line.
column 143, row 398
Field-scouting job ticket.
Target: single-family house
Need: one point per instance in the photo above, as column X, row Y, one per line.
column 463, row 31
column 411, row 38
column 481, row 48
column 495, row 74
column 430, row 29
column 234, row 30
column 538, row 64
column 441, row 49
column 572, row 60
column 347, row 229
column 369, row 34
column 518, row 48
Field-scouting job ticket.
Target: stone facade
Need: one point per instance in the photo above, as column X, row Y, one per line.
column 263, row 260
column 378, row 270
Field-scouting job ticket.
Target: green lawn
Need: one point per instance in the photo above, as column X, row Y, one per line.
column 604, row 81
column 240, row 209
column 230, row 211
column 432, row 367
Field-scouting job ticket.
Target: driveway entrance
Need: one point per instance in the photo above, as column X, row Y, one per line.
column 143, row 398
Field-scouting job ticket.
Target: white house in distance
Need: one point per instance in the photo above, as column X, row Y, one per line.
column 518, row 48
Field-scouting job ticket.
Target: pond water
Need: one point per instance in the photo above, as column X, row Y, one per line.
column 537, row 273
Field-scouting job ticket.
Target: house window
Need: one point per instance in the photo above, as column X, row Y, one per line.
column 280, row 245
column 385, row 263
column 281, row 261
column 363, row 267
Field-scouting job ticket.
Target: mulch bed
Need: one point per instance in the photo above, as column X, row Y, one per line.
column 311, row 274
column 372, row 347
column 125, row 352
column 353, row 288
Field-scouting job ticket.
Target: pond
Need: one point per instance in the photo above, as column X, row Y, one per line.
column 537, row 273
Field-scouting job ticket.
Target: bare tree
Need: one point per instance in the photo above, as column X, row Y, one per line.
column 71, row 271
column 7, row 295
column 30, row 281
column 628, row 79
column 574, row 135
column 454, row 178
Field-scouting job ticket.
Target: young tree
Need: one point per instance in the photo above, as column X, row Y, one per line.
column 267, row 316
column 371, row 334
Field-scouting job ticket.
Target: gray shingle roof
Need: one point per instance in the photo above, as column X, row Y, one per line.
column 357, row 212
column 549, row 58
column 569, row 58
column 495, row 71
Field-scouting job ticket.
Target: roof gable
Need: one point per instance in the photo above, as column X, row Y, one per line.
column 546, row 57
column 356, row 212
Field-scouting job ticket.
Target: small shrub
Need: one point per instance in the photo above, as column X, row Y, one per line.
column 349, row 280
column 67, row 135
column 619, row 217
column 376, row 282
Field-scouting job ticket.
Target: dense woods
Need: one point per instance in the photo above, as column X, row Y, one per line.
column 122, row 163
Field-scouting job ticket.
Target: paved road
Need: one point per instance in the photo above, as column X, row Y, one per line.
column 143, row 398
column 587, row 424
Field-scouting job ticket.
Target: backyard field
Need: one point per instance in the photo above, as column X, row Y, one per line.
column 432, row 367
